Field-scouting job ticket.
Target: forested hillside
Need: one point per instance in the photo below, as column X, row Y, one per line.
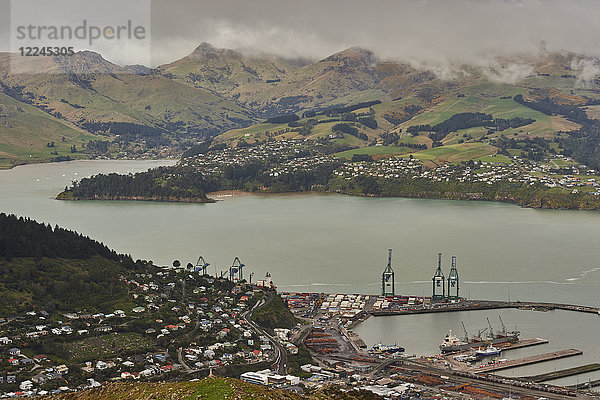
column 23, row 237
column 53, row 269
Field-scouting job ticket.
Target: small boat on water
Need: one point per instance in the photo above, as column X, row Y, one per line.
column 488, row 351
column 380, row 348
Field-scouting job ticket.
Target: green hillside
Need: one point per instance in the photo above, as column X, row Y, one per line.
column 54, row 284
column 397, row 117
column 107, row 110
column 230, row 73
column 81, row 98
column 206, row 389
column 26, row 131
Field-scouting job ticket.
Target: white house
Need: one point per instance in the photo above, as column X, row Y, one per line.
column 4, row 340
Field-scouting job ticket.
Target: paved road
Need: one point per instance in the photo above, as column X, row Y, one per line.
column 280, row 353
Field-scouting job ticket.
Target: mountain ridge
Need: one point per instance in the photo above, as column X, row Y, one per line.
column 211, row 91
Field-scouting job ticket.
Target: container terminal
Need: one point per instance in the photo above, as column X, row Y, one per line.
column 459, row 364
column 456, row 365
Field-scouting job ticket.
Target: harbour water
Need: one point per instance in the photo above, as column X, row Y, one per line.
column 335, row 243
column 421, row 334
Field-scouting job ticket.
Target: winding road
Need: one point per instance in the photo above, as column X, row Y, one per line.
column 280, row 353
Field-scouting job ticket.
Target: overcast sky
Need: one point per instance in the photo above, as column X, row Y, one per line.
column 399, row 29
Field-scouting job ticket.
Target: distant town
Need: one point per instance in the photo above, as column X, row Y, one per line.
column 555, row 181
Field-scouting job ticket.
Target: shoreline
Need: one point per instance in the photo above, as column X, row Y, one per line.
column 223, row 195
column 61, row 196
column 533, row 199
column 228, row 193
column 48, row 162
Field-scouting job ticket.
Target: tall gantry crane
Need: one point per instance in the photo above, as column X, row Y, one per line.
column 387, row 278
column 453, row 281
column 201, row 266
column 438, row 281
column 235, row 271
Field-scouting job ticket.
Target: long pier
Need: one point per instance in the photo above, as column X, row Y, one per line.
column 562, row 373
column 502, row 344
column 471, row 305
column 586, row 385
column 527, row 361
column 522, row 343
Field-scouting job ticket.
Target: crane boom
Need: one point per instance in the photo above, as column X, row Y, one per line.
column 481, row 332
column 502, row 323
column 465, row 331
column 490, row 325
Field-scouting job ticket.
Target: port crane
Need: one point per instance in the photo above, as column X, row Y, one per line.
column 201, row 266
column 465, row 331
column 387, row 278
column 503, row 326
column 491, row 333
column 480, row 332
column 453, row 281
column 439, row 282
column 235, row 271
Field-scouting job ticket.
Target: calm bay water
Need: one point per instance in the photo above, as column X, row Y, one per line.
column 331, row 242
column 334, row 243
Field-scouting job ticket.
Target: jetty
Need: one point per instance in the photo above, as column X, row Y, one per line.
column 562, row 373
column 538, row 358
column 521, row 343
column 473, row 305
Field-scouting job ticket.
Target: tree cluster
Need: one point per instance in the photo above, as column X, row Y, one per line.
column 350, row 130
column 22, row 237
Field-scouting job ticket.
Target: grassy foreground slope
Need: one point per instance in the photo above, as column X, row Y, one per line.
column 205, row 389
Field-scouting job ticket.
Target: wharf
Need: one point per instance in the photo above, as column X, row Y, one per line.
column 562, row 373
column 471, row 305
column 503, row 344
column 526, row 361
column 521, row 343
column 586, row 385
column 443, row 307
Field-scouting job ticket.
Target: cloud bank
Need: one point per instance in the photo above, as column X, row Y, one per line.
column 435, row 32
column 456, row 30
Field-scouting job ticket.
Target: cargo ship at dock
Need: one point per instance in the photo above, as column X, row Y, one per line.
column 452, row 344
